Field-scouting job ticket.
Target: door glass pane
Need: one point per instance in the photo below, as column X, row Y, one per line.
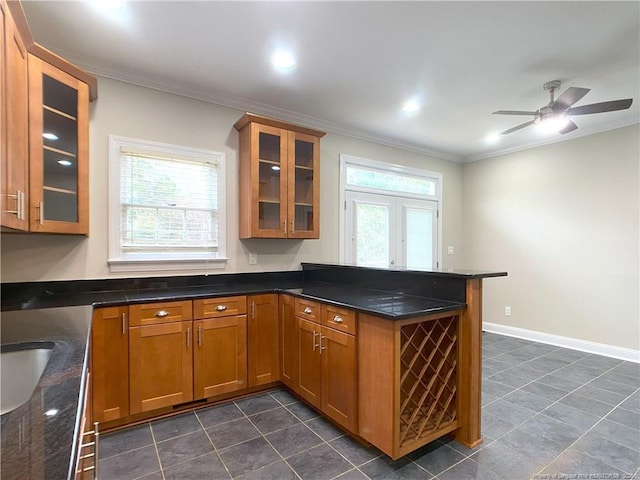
column 419, row 238
column 60, row 148
column 372, row 235
column 303, row 185
column 269, row 181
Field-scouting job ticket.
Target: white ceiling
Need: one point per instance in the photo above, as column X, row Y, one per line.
column 358, row 62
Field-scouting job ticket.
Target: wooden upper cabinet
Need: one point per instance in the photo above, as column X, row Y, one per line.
column 44, row 133
column 110, row 363
column 263, row 339
column 58, row 150
column 279, row 179
column 14, row 125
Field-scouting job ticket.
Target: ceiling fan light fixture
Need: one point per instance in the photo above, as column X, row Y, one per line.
column 552, row 123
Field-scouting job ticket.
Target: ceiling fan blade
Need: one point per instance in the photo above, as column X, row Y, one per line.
column 515, row 129
column 570, row 96
column 513, row 112
column 570, row 127
column 610, row 106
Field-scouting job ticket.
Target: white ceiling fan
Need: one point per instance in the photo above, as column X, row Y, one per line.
column 560, row 110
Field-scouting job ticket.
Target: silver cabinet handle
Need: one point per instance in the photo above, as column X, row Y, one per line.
column 41, row 207
column 199, row 336
column 161, row 314
column 21, row 214
column 292, row 228
column 321, row 347
column 253, row 310
column 314, row 345
column 338, row 319
column 307, row 310
column 188, row 337
column 124, row 323
column 285, row 227
column 221, row 308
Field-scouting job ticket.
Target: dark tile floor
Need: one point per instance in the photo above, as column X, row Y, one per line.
column 548, row 413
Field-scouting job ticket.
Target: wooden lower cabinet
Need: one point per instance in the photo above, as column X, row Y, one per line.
column 263, row 339
column 110, row 363
column 409, row 390
column 339, row 377
column 309, row 380
column 160, row 365
column 288, row 342
column 327, row 376
column 219, row 356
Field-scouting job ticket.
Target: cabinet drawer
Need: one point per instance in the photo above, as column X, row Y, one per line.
column 220, row 307
column 161, row 312
column 339, row 319
column 307, row 309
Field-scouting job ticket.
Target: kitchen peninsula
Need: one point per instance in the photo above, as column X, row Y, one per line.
column 420, row 332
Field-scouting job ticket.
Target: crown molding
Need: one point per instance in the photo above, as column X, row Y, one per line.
column 540, row 143
column 246, row 105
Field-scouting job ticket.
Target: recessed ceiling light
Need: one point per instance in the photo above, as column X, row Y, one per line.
column 51, row 412
column 50, row 136
column 64, row 163
column 283, row 60
column 411, row 105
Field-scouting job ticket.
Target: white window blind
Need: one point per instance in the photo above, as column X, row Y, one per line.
column 170, row 205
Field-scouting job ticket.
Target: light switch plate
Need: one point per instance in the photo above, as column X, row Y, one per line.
column 253, row 259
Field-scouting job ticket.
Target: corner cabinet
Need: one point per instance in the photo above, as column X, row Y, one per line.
column 44, row 134
column 58, row 150
column 279, row 179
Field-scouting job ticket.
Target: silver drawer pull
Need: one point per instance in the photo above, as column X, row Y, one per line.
column 221, row 308
column 161, row 314
column 307, row 310
column 338, row 319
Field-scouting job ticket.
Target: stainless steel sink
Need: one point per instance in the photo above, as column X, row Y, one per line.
column 21, row 367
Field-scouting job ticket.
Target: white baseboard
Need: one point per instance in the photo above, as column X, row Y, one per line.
column 620, row 353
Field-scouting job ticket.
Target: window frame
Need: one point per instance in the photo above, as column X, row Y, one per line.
column 121, row 261
column 347, row 160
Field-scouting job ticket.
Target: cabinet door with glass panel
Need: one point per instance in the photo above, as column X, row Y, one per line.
column 59, row 150
column 304, row 186
column 279, row 179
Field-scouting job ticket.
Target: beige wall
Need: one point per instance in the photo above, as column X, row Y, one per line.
column 128, row 110
column 563, row 220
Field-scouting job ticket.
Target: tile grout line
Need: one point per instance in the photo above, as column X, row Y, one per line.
column 589, row 430
column 155, row 447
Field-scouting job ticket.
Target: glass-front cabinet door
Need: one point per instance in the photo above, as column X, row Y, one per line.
column 59, row 144
column 304, row 186
column 270, row 219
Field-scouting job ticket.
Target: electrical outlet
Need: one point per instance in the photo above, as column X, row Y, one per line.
column 450, row 250
column 507, row 311
column 253, row 259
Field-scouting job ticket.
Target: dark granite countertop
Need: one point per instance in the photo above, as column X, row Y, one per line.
column 38, row 438
column 36, row 445
column 394, row 306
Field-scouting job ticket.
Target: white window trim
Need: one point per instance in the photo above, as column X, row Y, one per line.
column 346, row 160
column 146, row 262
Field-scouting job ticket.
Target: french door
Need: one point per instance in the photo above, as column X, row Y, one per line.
column 387, row 231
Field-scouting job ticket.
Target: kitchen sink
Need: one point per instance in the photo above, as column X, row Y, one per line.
column 21, row 366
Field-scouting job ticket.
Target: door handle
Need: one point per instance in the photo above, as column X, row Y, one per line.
column 338, row 319
column 188, row 337
column 221, row 308
column 307, row 310
column 161, row 314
